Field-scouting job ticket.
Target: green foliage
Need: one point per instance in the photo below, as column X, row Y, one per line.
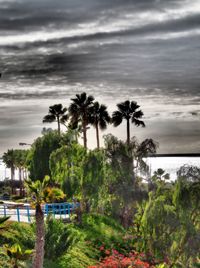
column 54, row 195
column 38, row 158
column 122, row 187
column 72, row 245
column 102, row 230
column 94, row 174
column 66, row 166
column 169, row 224
column 17, row 254
column 58, row 238
column 158, row 223
column 41, row 192
column 18, row 233
column 165, row 223
column 37, row 189
column 3, row 221
column 81, row 255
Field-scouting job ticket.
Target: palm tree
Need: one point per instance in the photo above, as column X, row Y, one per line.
column 129, row 111
column 80, row 109
column 56, row 114
column 99, row 118
column 39, row 192
column 20, row 163
column 9, row 159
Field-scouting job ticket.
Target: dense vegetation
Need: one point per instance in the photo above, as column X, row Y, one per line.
column 126, row 217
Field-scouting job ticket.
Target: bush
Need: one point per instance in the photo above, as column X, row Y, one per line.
column 57, row 238
column 80, row 255
column 116, row 260
column 20, row 233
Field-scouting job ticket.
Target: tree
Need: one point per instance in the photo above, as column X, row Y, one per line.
column 99, row 118
column 9, row 160
column 94, row 174
column 20, row 163
column 39, row 192
column 122, row 181
column 56, row 114
column 66, row 165
column 80, row 109
column 129, row 111
column 80, row 174
column 141, row 152
column 169, row 220
column 38, row 158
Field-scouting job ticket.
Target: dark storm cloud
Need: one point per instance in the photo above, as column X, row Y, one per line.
column 32, row 95
column 21, row 15
column 159, row 70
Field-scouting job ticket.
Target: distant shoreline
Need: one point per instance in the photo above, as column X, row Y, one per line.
column 175, row 155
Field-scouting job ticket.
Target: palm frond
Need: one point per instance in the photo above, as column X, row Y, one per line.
column 124, row 107
column 3, row 220
column 138, row 122
column 134, row 106
column 102, row 124
column 89, row 100
column 117, row 117
column 49, row 118
column 64, row 119
column 55, row 109
column 138, row 114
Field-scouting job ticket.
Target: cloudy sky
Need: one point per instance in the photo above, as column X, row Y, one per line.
column 142, row 50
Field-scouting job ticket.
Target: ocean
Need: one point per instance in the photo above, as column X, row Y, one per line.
column 169, row 164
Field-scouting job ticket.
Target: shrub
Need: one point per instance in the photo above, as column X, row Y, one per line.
column 118, row 260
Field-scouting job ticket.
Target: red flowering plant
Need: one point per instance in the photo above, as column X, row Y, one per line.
column 123, row 245
column 114, row 259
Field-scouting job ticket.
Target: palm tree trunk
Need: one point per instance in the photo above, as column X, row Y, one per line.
column 20, row 181
column 97, row 135
column 58, row 120
column 12, row 169
column 128, row 131
column 84, row 134
column 40, row 236
column 127, row 216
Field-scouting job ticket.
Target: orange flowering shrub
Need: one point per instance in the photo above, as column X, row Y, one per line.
column 118, row 260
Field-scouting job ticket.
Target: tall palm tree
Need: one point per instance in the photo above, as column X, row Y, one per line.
column 129, row 111
column 20, row 163
column 39, row 192
column 9, row 159
column 80, row 109
column 99, row 118
column 56, row 114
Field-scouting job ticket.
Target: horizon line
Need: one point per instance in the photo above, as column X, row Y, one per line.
column 175, row 155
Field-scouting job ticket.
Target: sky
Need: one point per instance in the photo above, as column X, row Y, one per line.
column 147, row 51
